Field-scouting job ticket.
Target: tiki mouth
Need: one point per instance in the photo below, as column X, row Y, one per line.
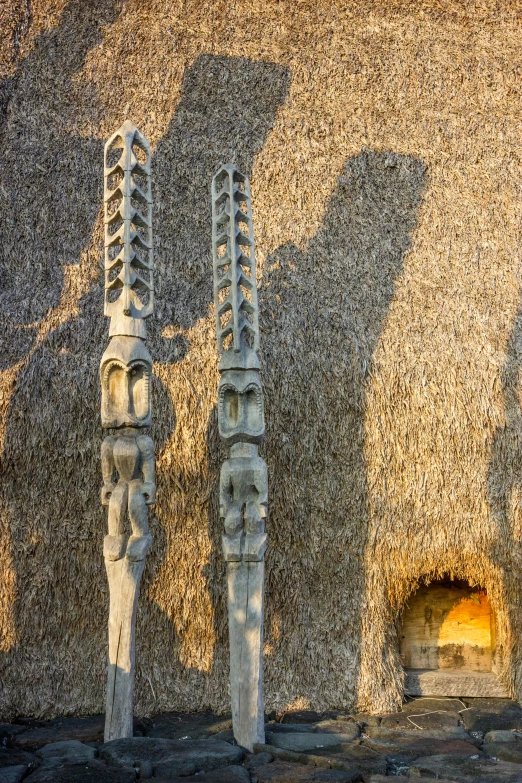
column 240, row 412
column 126, row 393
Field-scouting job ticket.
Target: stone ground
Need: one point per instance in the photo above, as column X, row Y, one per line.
column 448, row 740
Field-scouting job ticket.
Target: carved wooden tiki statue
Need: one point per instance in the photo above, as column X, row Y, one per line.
column 127, row 454
column 244, row 481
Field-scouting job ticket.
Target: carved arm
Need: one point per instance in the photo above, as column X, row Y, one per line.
column 108, row 468
column 148, row 468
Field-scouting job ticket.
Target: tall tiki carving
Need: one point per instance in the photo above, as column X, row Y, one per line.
column 244, row 480
column 127, row 453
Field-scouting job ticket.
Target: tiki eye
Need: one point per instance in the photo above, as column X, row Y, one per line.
column 251, row 396
column 231, row 404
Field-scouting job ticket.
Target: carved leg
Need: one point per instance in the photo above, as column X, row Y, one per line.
column 115, row 543
column 124, row 577
column 245, row 618
column 141, row 540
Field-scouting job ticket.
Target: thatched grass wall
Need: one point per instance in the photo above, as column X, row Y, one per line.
column 382, row 141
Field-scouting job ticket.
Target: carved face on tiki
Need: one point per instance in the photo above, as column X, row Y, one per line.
column 125, row 372
column 240, row 407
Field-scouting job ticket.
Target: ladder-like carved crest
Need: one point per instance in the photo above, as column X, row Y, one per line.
column 129, row 290
column 235, row 289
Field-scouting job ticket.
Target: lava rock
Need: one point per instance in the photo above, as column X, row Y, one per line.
column 348, row 730
column 14, row 758
column 349, row 757
column 227, row 735
column 8, row 731
column 12, row 774
column 365, row 719
column 354, row 762
column 302, row 743
column 402, row 779
column 335, row 715
column 232, row 774
column 450, row 733
column 283, row 772
column 169, row 756
column 500, row 736
column 492, row 715
column 353, row 751
column 31, row 723
column 402, row 749
column 288, row 728
column 278, row 753
column 259, row 759
column 175, row 769
column 506, row 751
column 467, row 770
column 67, row 752
column 301, row 716
column 191, row 725
column 61, row 729
column 412, row 720
column 92, row 772
column 145, row 770
column 431, row 704
column 386, row 779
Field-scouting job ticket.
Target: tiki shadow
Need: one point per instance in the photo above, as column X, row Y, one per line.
column 505, row 494
column 51, row 193
column 53, row 426
column 215, row 572
column 323, row 311
column 206, row 130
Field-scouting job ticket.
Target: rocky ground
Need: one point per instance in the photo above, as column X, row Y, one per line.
column 448, row 740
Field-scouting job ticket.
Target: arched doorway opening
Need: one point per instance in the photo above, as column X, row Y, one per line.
column 448, row 642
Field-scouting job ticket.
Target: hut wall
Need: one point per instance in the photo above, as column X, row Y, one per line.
column 382, row 141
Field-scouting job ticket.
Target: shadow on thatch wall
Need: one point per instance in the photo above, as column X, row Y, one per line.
column 51, row 195
column 54, row 586
column 51, row 189
column 323, row 313
column 505, row 497
column 323, row 310
column 227, row 107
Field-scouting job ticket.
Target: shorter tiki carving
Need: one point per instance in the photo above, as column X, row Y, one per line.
column 127, row 454
column 244, row 479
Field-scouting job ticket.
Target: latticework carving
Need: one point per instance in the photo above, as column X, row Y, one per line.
column 129, row 291
column 235, row 290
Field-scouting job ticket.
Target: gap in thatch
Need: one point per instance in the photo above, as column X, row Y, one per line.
column 448, row 640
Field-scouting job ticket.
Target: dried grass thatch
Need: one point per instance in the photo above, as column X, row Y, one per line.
column 381, row 137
